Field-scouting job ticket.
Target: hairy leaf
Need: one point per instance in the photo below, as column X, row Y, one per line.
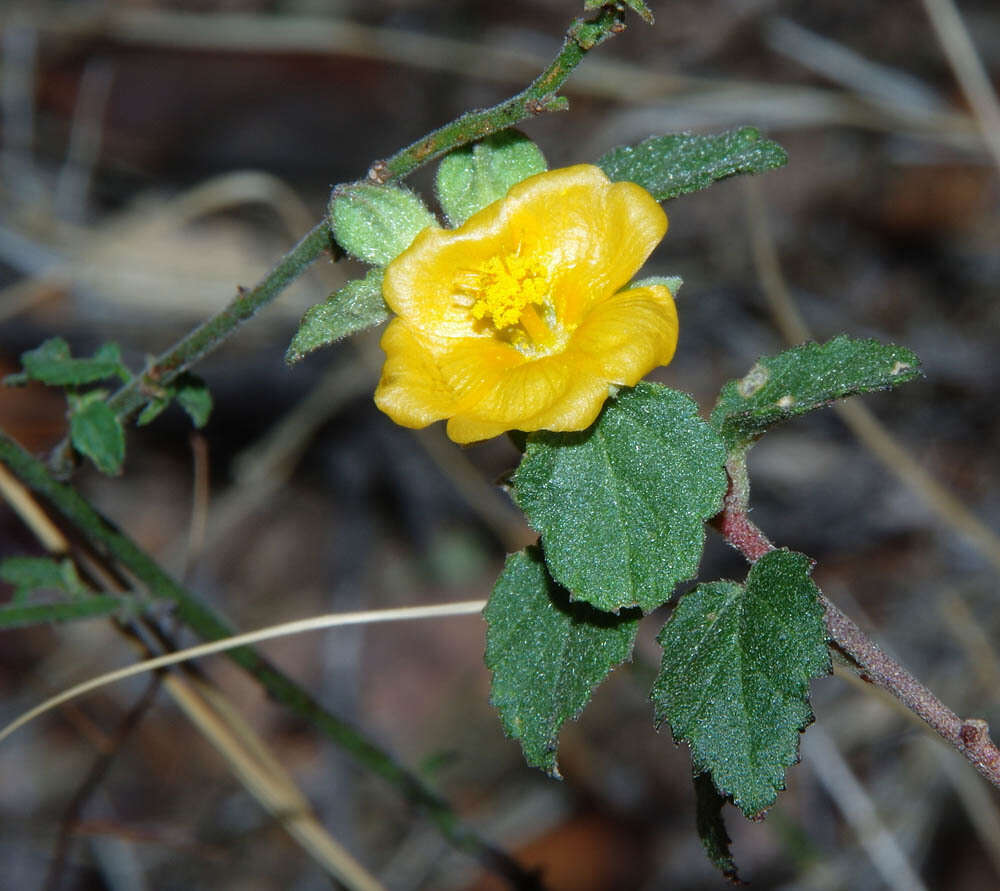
column 153, row 409
column 191, row 393
column 96, row 432
column 476, row 175
column 734, row 681
column 377, row 223
column 40, row 613
column 194, row 397
column 546, row 654
column 51, row 363
column 805, row 378
column 30, row 574
column 668, row 166
column 356, row 306
column 621, row 506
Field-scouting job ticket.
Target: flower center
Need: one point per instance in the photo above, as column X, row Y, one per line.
column 510, row 294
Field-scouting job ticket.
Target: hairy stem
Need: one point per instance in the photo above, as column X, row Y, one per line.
column 212, row 332
column 124, row 552
column 538, row 97
column 970, row 736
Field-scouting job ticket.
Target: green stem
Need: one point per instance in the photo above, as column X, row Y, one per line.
column 211, row 333
column 210, row 626
column 539, row 97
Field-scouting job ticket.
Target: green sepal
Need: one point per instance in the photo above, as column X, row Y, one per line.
column 476, row 175
column 30, row 574
column 354, row 307
column 621, row 506
column 672, row 283
column 668, row 166
column 734, row 681
column 52, row 364
column 96, row 432
column 547, row 655
column 377, row 223
column 805, row 378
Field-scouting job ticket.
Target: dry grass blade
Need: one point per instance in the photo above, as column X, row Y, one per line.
column 859, row 810
column 247, row 755
column 299, row 626
column 968, row 68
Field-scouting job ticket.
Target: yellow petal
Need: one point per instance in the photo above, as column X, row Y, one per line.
column 592, row 233
column 588, row 237
column 420, row 284
column 552, row 393
column 626, row 336
column 412, row 390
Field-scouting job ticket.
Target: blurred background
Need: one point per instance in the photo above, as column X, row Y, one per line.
column 155, row 155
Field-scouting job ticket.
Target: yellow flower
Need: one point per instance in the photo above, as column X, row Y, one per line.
column 515, row 320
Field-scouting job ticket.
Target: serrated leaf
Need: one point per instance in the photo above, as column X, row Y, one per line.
column 635, row 5
column 52, row 364
column 712, row 828
column 805, row 378
column 476, row 175
column 621, row 506
column 30, row 574
column 96, row 432
column 377, row 223
column 546, row 654
column 668, row 166
column 193, row 396
column 42, row 613
column 356, row 306
column 734, row 681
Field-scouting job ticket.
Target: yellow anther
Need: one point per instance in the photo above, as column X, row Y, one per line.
column 506, row 286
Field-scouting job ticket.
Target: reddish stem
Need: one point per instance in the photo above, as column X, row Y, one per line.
column 970, row 736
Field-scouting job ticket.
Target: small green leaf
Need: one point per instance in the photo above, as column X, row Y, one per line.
column 39, row 613
column 52, row 364
column 546, row 654
column 193, row 396
column 805, row 378
column 356, row 306
column 96, row 432
column 712, row 828
column 635, row 5
column 191, row 393
column 377, row 223
column 668, row 166
column 476, row 175
column 152, row 410
column 30, row 574
column 621, row 506
column 734, row 682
